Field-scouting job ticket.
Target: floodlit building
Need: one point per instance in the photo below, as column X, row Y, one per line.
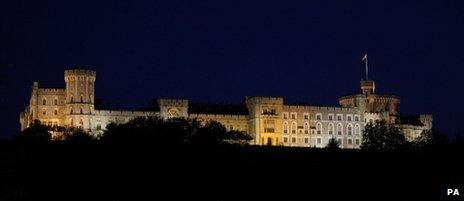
column 268, row 119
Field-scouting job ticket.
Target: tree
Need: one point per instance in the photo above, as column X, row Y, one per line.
column 77, row 135
column 36, row 132
column 382, row 136
column 333, row 144
column 430, row 139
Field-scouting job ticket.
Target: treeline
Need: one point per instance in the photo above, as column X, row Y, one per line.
column 171, row 132
column 378, row 135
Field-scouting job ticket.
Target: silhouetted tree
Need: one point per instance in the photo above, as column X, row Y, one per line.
column 430, row 139
column 36, row 132
column 333, row 144
column 77, row 135
column 382, row 136
column 238, row 137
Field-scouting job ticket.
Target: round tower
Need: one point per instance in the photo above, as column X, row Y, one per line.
column 80, row 91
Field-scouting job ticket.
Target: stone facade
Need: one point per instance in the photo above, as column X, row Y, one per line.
column 268, row 119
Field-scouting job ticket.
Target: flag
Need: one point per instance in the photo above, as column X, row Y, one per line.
column 365, row 57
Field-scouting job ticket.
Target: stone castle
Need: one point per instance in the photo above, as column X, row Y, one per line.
column 268, row 119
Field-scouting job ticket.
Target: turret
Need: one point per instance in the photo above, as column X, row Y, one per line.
column 80, row 91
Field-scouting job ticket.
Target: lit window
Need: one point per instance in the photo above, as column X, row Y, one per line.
column 349, row 129
column 306, row 128
column 331, row 117
column 319, row 128
column 285, row 127
column 339, row 129
column 293, row 128
column 285, row 139
column 356, row 129
column 331, row 129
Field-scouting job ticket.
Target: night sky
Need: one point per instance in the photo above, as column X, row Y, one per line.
column 221, row 51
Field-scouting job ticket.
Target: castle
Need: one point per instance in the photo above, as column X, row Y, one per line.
column 267, row 119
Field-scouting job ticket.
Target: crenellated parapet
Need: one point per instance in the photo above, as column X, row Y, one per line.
column 51, row 91
column 124, row 113
column 219, row 116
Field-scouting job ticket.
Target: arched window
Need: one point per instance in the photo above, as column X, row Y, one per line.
column 356, row 129
column 82, row 98
column 306, row 128
column 44, row 101
column 349, row 129
column 56, row 112
column 319, row 128
column 293, row 128
column 81, row 123
column 331, row 128
column 285, row 127
column 339, row 129
column 82, row 110
column 55, row 101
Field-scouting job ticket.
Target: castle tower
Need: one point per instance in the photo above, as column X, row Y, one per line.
column 367, row 87
column 80, row 91
column 265, row 119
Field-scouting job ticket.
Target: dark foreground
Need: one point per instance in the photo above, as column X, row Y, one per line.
column 143, row 172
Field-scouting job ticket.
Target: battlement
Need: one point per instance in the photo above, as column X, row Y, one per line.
column 173, row 102
column 264, row 100
column 218, row 116
column 85, row 72
column 123, row 113
column 52, row 91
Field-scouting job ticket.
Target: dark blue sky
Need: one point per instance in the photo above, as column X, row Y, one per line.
column 221, row 51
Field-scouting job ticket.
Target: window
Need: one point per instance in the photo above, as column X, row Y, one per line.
column 357, row 141
column 44, row 101
column 350, row 141
column 319, row 128
column 81, row 123
column 356, row 129
column 72, row 99
column 44, row 112
column 70, row 110
column 356, row 118
column 293, row 128
column 55, row 101
column 71, row 122
column 319, row 141
column 82, row 110
column 285, row 139
column 339, row 117
column 348, row 118
column 349, row 129
column 306, row 116
column 331, row 116
column 268, row 130
column 82, row 98
column 318, row 116
column 293, row 115
column 56, row 112
column 269, row 126
column 285, row 115
column 231, row 127
column 306, row 128
column 339, row 129
column 285, row 127
column 306, row 140
column 293, row 139
column 331, row 128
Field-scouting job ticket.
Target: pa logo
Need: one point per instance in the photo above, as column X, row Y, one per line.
column 452, row 192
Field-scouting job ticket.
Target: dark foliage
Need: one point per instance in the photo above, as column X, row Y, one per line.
column 332, row 144
column 430, row 139
column 35, row 133
column 382, row 136
column 77, row 135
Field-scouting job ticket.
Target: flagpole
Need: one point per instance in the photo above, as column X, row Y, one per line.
column 367, row 69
